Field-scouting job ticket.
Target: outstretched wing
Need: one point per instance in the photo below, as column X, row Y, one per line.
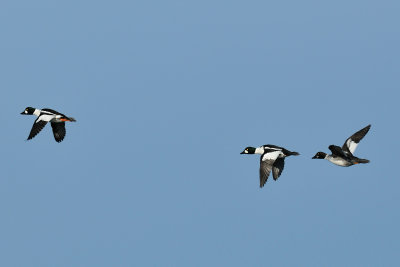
column 58, row 130
column 266, row 162
column 352, row 142
column 277, row 168
column 36, row 128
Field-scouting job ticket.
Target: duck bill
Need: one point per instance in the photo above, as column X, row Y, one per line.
column 314, row 157
column 243, row 152
column 23, row 113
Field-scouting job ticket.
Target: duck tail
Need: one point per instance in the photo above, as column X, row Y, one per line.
column 362, row 161
column 67, row 119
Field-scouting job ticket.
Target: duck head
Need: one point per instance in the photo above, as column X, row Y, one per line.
column 319, row 155
column 28, row 111
column 249, row 150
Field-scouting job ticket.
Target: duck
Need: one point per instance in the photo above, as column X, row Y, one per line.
column 56, row 119
column 272, row 158
column 344, row 156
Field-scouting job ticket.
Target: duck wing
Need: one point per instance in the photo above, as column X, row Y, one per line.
column 352, row 142
column 277, row 168
column 58, row 130
column 266, row 163
column 38, row 125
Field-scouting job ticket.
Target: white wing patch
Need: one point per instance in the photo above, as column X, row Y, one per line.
column 271, row 156
column 45, row 117
column 351, row 145
column 273, row 148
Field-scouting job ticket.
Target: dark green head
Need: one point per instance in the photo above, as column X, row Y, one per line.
column 28, row 111
column 249, row 150
column 319, row 155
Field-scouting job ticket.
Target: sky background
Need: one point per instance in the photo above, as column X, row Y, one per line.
column 166, row 95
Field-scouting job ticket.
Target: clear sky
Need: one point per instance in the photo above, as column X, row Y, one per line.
column 166, row 95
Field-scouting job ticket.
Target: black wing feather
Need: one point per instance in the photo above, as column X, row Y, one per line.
column 58, row 130
column 356, row 138
column 36, row 128
column 274, row 146
column 278, row 166
column 336, row 150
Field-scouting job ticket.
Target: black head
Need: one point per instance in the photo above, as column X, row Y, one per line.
column 319, row 155
column 249, row 150
column 28, row 111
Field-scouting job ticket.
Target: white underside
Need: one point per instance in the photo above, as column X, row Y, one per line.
column 338, row 161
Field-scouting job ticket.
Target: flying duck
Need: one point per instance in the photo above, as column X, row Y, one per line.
column 272, row 158
column 343, row 156
column 44, row 116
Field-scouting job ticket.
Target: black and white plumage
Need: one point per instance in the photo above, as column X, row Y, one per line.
column 272, row 159
column 343, row 156
column 44, row 116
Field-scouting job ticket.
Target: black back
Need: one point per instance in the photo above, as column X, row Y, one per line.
column 337, row 151
column 284, row 150
column 53, row 111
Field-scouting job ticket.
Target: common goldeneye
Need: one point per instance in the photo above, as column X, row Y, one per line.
column 44, row 116
column 272, row 158
column 343, row 156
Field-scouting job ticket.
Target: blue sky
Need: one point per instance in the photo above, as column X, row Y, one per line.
column 166, row 95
